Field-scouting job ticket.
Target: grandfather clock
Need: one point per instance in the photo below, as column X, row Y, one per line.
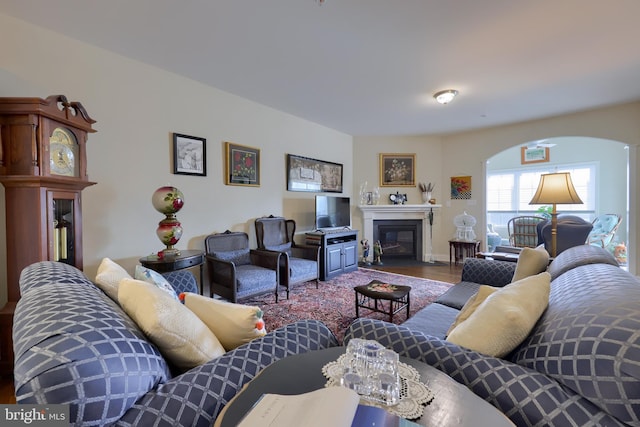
column 43, row 167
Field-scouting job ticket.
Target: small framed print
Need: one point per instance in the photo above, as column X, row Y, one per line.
column 397, row 170
column 189, row 155
column 242, row 166
column 534, row 155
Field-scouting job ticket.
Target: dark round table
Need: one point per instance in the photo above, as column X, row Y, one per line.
column 453, row 404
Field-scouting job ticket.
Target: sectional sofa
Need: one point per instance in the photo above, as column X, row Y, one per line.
column 74, row 345
column 579, row 365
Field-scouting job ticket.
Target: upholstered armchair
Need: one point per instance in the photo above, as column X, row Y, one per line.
column 604, row 228
column 299, row 263
column 572, row 231
column 236, row 272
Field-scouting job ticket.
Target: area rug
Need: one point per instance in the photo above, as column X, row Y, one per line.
column 334, row 301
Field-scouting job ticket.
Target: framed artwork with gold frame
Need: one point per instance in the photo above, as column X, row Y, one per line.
column 397, row 170
column 242, row 165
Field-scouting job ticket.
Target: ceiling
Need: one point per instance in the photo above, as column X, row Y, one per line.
column 370, row 67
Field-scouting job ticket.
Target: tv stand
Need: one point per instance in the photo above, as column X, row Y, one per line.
column 338, row 251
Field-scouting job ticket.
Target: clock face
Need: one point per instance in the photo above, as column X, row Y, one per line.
column 63, row 153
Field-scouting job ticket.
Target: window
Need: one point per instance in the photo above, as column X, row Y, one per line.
column 510, row 191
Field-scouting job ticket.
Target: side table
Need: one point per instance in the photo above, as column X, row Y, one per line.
column 460, row 249
column 186, row 259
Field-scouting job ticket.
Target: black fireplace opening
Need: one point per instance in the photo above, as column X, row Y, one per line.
column 399, row 238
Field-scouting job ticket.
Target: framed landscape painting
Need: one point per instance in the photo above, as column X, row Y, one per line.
column 305, row 174
column 242, row 165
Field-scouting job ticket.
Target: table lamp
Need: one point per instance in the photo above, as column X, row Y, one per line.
column 554, row 189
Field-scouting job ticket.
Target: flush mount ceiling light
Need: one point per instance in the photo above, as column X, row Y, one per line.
column 445, row 96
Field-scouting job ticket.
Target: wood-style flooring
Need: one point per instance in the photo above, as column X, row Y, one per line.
column 446, row 273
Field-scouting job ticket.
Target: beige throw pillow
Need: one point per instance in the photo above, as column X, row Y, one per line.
column 109, row 276
column 233, row 324
column 472, row 304
column 531, row 262
column 505, row 318
column 178, row 333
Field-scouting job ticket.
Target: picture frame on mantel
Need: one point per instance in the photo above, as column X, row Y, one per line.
column 242, row 165
column 189, row 155
column 534, row 155
column 397, row 170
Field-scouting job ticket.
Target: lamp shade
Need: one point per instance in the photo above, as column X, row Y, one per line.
column 555, row 188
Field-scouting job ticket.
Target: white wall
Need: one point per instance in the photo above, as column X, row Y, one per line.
column 137, row 108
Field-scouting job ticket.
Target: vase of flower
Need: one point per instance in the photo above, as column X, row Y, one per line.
column 426, row 196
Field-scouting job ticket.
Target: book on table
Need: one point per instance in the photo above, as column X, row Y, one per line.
column 327, row 407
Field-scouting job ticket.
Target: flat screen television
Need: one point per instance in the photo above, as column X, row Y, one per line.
column 333, row 212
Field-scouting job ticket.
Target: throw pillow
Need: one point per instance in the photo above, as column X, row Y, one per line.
column 233, row 324
column 505, row 318
column 109, row 276
column 238, row 257
column 178, row 333
column 155, row 278
column 531, row 262
column 472, row 304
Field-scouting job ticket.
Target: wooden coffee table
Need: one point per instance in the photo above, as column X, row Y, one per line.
column 371, row 295
column 453, row 404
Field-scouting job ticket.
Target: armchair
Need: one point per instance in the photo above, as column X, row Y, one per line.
column 236, row 272
column 572, row 231
column 604, row 228
column 299, row 263
column 522, row 231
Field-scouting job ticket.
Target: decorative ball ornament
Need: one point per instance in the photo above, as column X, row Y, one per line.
column 464, row 227
column 168, row 201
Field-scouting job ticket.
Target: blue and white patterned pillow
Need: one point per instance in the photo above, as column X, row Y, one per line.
column 155, row 278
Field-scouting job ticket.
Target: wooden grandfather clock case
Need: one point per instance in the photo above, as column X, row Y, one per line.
column 43, row 167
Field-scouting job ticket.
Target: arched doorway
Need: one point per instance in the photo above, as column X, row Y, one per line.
column 607, row 160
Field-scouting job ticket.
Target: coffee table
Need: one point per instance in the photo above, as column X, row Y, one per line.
column 453, row 404
column 369, row 296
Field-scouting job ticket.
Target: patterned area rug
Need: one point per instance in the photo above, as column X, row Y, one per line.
column 334, row 300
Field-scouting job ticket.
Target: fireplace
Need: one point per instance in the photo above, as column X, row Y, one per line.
column 399, row 238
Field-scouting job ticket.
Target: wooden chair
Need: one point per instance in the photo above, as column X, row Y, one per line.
column 236, row 272
column 299, row 263
column 523, row 232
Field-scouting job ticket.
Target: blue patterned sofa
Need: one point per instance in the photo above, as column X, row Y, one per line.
column 74, row 345
column 580, row 366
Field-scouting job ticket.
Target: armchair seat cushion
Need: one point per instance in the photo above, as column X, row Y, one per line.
column 302, row 269
column 252, row 279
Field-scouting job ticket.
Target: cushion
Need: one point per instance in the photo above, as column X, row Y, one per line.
column 233, row 324
column 178, row 333
column 531, row 262
column 109, row 276
column 505, row 318
column 238, row 256
column 472, row 304
column 155, row 278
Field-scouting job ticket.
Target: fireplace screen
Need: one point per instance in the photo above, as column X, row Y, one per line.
column 399, row 238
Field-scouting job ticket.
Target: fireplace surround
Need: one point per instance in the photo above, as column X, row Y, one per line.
column 400, row 212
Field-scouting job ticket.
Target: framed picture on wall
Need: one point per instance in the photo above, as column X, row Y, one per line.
column 189, row 155
column 306, row 174
column 242, row 165
column 534, row 155
column 397, row 170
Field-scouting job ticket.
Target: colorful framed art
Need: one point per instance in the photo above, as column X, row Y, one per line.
column 242, row 165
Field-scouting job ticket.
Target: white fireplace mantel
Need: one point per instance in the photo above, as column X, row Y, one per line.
column 371, row 213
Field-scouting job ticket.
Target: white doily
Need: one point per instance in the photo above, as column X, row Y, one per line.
column 413, row 393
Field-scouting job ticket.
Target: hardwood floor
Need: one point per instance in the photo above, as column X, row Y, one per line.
column 443, row 273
